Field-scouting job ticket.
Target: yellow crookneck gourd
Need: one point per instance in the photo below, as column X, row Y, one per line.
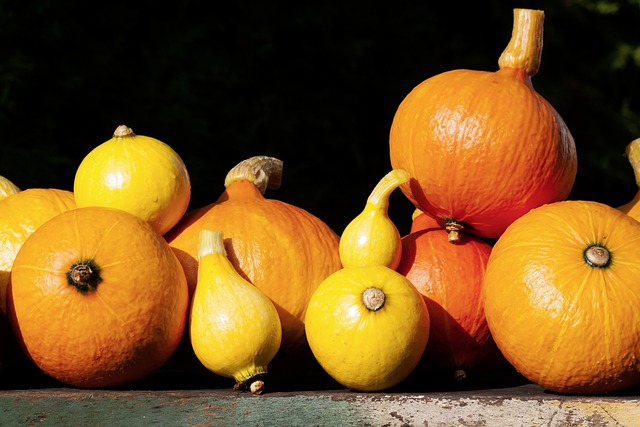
column 235, row 330
column 632, row 208
column 371, row 238
column 366, row 324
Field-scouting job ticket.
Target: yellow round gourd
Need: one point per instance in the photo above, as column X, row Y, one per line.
column 138, row 174
column 367, row 327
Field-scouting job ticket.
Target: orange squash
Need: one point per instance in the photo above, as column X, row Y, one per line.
column 20, row 214
column 97, row 298
column 561, row 296
column 483, row 148
column 450, row 279
column 282, row 249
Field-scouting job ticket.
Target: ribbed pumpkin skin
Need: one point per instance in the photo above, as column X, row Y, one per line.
column 121, row 331
column 449, row 276
column 282, row 249
column 482, row 148
column 563, row 324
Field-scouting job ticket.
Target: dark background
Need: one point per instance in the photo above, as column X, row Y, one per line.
column 315, row 84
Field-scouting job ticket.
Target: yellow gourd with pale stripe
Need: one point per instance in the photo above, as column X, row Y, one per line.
column 235, row 329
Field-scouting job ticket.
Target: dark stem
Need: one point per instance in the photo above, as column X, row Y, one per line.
column 85, row 276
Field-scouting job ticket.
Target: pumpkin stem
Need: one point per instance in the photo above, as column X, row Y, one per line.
column 633, row 154
column 373, row 298
column 453, row 228
column 263, row 171
column 460, row 375
column 123, row 131
column 597, row 256
column 525, row 47
column 84, row 276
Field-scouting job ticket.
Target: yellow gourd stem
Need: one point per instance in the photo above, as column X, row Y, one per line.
column 379, row 197
column 525, row 47
column 263, row 171
column 210, row 242
column 633, row 154
column 123, row 131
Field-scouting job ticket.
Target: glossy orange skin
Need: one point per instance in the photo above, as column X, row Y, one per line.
column 562, row 323
column 449, row 276
column 120, row 332
column 482, row 148
column 282, row 249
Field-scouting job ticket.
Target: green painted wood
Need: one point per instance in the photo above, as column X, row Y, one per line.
column 525, row 405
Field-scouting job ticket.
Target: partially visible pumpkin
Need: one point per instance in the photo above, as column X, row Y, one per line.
column 483, row 148
column 562, row 297
column 450, row 279
column 282, row 249
column 97, row 298
column 20, row 215
column 632, row 151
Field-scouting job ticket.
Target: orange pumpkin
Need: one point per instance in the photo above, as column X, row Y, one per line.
column 97, row 298
column 282, row 249
column 20, row 214
column 483, row 148
column 561, row 296
column 450, row 279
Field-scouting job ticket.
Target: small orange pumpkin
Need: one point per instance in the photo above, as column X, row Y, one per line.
column 561, row 296
column 282, row 249
column 483, row 148
column 97, row 298
column 450, row 279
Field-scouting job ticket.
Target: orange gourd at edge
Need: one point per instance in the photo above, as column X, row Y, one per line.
column 561, row 297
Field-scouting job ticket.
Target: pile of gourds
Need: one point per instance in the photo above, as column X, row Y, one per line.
column 101, row 285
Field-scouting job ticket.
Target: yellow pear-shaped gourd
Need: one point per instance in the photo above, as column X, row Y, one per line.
column 372, row 238
column 632, row 208
column 235, row 330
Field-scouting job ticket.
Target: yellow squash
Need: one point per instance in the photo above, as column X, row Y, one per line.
column 367, row 327
column 235, row 329
column 138, row 174
column 366, row 324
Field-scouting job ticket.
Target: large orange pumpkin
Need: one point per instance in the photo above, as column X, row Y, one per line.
column 20, row 215
column 97, row 298
column 562, row 297
column 483, row 148
column 450, row 279
column 282, row 249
